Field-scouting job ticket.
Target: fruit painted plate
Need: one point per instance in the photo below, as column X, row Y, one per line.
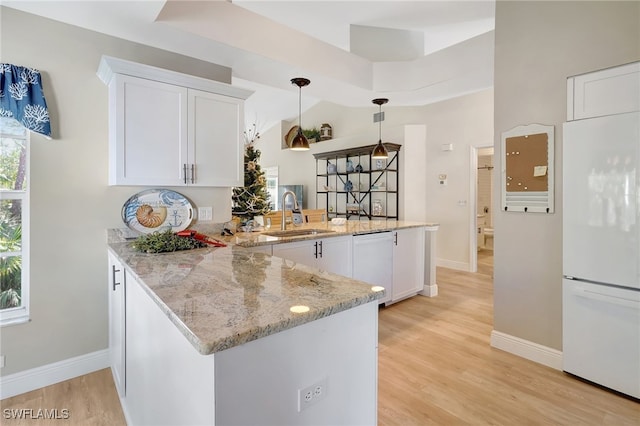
column 156, row 210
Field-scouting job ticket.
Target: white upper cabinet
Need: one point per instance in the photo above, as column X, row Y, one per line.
column 147, row 131
column 216, row 146
column 172, row 129
column 606, row 92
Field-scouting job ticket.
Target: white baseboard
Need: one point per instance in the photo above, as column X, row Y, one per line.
column 453, row 264
column 529, row 350
column 39, row 377
column 429, row 290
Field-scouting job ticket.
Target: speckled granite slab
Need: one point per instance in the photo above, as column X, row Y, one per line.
column 223, row 297
column 254, row 239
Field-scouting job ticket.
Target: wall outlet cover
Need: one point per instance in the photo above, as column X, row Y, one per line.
column 205, row 214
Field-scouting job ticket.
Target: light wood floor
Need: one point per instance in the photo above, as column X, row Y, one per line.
column 89, row 399
column 435, row 367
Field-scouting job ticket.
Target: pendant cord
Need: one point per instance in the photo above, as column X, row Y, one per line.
column 380, row 123
column 300, row 108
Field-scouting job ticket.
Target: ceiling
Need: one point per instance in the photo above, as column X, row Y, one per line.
column 412, row 52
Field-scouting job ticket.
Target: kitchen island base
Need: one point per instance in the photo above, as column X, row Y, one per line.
column 169, row 382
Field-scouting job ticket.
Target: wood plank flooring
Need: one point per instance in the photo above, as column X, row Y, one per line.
column 436, row 367
column 90, row 400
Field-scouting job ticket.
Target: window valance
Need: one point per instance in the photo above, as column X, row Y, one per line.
column 22, row 98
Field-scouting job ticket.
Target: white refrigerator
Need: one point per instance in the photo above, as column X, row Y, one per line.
column 601, row 251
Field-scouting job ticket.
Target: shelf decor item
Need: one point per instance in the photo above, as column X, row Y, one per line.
column 377, row 208
column 312, row 135
column 331, row 168
column 349, row 166
column 326, row 132
column 353, row 207
column 154, row 210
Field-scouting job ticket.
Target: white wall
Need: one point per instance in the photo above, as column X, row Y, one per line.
column 71, row 204
column 538, row 45
column 464, row 121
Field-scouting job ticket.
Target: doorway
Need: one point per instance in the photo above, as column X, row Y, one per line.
column 481, row 247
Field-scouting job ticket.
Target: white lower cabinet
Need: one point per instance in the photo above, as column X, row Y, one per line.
column 117, row 324
column 328, row 254
column 168, row 381
column 373, row 261
column 408, row 262
column 394, row 260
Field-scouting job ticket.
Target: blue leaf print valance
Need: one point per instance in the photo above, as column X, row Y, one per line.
column 22, row 98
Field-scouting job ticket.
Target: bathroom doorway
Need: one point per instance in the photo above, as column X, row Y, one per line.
column 482, row 187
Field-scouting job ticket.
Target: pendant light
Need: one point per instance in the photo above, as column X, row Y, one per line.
column 299, row 142
column 380, row 151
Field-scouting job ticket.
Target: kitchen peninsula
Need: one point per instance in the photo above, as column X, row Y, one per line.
column 231, row 335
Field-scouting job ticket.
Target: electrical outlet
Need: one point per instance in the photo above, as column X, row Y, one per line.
column 205, row 214
column 1, row 361
column 311, row 394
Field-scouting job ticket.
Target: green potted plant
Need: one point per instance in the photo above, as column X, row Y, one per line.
column 312, row 135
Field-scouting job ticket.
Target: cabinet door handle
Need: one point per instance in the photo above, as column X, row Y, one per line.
column 193, row 173
column 184, row 172
column 114, row 272
column 320, row 249
column 395, row 238
column 316, row 250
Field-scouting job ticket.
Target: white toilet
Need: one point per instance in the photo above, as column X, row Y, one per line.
column 488, row 238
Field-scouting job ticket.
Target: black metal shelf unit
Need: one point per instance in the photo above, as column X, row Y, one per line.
column 351, row 184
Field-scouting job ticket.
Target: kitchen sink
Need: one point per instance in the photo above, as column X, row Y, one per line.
column 297, row 232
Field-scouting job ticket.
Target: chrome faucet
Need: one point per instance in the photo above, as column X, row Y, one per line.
column 284, row 208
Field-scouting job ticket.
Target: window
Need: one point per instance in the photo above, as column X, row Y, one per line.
column 271, row 174
column 14, row 222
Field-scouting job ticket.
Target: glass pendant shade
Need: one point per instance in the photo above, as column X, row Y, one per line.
column 299, row 142
column 380, row 151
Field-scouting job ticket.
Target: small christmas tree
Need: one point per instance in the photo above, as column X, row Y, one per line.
column 252, row 199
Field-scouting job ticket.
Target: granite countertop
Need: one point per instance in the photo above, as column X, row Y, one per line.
column 221, row 297
column 255, row 239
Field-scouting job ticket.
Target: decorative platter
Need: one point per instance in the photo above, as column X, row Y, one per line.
column 157, row 210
